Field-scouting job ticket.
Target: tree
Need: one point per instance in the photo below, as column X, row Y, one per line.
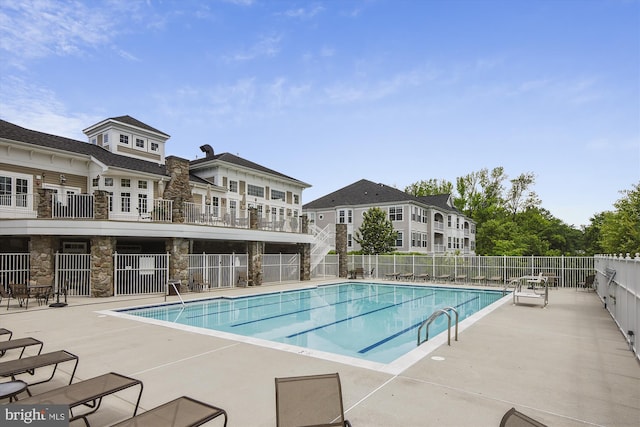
column 620, row 230
column 376, row 234
column 429, row 188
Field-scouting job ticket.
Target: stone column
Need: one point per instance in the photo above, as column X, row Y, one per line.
column 178, row 249
column 304, row 251
column 102, row 250
column 178, row 188
column 45, row 196
column 255, row 251
column 42, row 259
column 101, row 204
column 341, row 249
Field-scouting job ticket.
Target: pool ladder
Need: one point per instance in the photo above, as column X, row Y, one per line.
column 446, row 311
column 174, row 283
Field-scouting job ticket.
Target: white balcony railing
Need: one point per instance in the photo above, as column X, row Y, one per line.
column 17, row 206
column 120, row 209
column 74, row 206
column 213, row 215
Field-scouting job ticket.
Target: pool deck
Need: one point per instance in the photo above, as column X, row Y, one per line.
column 565, row 365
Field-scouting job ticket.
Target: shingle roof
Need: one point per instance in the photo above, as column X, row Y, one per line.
column 239, row 161
column 368, row 193
column 16, row 133
column 137, row 123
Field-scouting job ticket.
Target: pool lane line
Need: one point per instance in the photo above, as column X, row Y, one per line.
column 275, row 316
column 405, row 330
column 341, row 289
column 359, row 315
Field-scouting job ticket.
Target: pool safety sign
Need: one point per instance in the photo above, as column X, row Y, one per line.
column 15, row 414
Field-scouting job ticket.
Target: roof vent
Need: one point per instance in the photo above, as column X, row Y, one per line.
column 207, row 149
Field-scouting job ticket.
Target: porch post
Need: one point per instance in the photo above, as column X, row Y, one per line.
column 341, row 248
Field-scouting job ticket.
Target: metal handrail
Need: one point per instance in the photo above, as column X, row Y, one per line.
column 173, row 283
column 433, row 317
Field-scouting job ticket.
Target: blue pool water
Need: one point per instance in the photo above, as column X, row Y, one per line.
column 375, row 322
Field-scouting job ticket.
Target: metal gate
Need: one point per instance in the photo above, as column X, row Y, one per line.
column 14, row 268
column 73, row 272
column 136, row 274
column 280, row 267
column 210, row 271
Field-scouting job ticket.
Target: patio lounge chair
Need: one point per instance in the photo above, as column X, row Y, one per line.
column 460, row 278
column 11, row 368
column 181, row 412
column 88, row 393
column 423, row 276
column 4, row 331
column 479, row 279
column 309, row 401
column 514, row 418
column 22, row 343
column 242, row 279
column 20, row 293
column 358, row 272
column 588, row 282
column 495, row 279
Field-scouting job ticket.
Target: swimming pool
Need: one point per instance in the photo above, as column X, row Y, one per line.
column 367, row 321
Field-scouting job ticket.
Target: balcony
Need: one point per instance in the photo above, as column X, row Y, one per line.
column 17, row 206
column 89, row 207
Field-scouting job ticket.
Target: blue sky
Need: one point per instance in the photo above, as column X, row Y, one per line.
column 330, row 92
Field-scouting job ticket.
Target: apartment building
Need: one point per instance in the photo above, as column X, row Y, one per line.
column 119, row 192
column 429, row 224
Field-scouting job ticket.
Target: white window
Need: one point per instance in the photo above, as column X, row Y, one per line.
column 399, row 239
column 296, row 199
column 142, row 185
column 142, row 204
column 155, row 146
column 124, row 139
column 254, row 190
column 125, row 183
column 125, row 202
column 14, row 190
column 395, row 213
column 349, row 240
column 277, row 195
column 233, row 186
column 449, row 221
column 108, row 182
column 140, row 143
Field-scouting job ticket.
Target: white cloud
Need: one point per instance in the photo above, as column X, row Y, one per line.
column 42, row 28
column 38, row 108
column 303, row 13
column 266, row 46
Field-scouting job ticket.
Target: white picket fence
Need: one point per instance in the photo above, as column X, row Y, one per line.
column 568, row 271
column 618, row 285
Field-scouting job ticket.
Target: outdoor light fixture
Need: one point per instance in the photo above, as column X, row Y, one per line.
column 63, row 179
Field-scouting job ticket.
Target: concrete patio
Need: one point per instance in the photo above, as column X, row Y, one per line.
column 566, row 365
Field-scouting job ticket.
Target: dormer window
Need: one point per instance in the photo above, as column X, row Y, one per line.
column 124, row 139
column 139, row 143
column 155, row 146
column 105, row 141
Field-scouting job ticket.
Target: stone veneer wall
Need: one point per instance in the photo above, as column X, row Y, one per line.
column 304, row 249
column 101, row 204
column 255, row 250
column 178, row 188
column 102, row 249
column 42, row 259
column 341, row 248
column 45, row 195
column 178, row 249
